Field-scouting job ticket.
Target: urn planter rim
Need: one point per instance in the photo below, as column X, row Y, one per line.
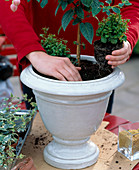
column 73, row 88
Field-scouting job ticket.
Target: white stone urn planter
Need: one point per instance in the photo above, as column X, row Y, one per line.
column 71, row 112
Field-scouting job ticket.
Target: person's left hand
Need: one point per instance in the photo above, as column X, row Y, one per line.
column 120, row 56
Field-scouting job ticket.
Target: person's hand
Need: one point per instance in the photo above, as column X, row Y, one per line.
column 58, row 67
column 14, row 5
column 120, row 56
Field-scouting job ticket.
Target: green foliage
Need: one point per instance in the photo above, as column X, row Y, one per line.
column 42, row 4
column 113, row 29
column 53, row 45
column 79, row 10
column 95, row 7
column 10, row 125
column 87, row 31
column 67, row 17
column 114, row 8
column 86, row 3
column 76, row 14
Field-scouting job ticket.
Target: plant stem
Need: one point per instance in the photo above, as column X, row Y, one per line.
column 78, row 44
column 79, row 41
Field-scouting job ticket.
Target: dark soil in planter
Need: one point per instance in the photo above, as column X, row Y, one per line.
column 89, row 71
column 92, row 70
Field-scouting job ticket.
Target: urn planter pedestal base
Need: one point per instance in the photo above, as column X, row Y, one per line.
column 71, row 154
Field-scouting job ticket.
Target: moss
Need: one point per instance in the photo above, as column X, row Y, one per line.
column 126, row 140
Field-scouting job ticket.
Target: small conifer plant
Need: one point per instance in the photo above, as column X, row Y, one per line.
column 53, row 45
column 112, row 29
column 112, row 32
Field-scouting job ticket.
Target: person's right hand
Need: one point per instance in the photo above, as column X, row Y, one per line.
column 58, row 67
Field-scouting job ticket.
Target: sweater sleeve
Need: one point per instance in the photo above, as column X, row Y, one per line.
column 132, row 13
column 18, row 29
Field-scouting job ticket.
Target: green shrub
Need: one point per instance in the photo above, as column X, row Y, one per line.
column 113, row 29
column 54, row 46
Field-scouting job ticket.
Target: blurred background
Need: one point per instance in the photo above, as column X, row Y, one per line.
column 126, row 102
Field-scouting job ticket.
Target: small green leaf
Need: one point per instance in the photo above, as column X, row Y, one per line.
column 7, row 138
column 101, row 3
column 64, row 5
column 95, row 7
column 58, row 6
column 95, row 11
column 67, row 17
column 43, row 3
column 109, row 1
column 113, row 41
column 103, row 39
column 116, row 10
column 79, row 11
column 87, row 31
column 75, row 43
column 108, row 12
column 124, row 38
column 59, row 30
column 87, row 3
column 83, row 46
column 121, row 5
column 128, row 3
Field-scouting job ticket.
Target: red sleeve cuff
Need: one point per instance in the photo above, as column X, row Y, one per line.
column 22, row 60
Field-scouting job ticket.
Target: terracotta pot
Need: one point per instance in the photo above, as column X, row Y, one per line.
column 26, row 164
column 15, row 144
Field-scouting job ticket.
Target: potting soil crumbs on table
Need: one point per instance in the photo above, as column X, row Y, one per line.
column 109, row 158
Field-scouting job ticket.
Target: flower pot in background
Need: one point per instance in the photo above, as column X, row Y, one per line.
column 26, row 164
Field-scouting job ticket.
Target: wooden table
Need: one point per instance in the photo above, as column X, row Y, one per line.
column 114, row 122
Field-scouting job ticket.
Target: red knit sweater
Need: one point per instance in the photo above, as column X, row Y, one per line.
column 24, row 26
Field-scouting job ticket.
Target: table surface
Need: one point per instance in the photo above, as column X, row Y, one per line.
column 114, row 122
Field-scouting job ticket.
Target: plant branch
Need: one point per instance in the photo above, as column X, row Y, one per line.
column 78, row 44
column 79, row 41
column 74, row 4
